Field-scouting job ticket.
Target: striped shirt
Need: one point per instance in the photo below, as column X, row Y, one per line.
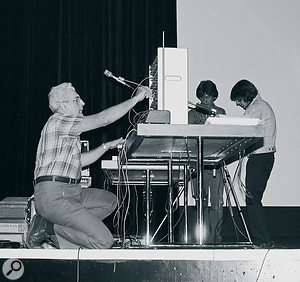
column 59, row 149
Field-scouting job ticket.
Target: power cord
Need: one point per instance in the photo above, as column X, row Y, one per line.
column 264, row 259
column 77, row 265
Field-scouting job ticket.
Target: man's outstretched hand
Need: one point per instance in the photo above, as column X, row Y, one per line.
column 142, row 93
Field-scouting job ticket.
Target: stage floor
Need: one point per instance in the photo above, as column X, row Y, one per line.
column 192, row 264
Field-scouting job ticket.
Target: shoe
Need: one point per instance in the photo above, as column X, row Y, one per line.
column 37, row 234
column 53, row 242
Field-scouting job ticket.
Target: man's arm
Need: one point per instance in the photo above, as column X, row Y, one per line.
column 91, row 156
column 113, row 113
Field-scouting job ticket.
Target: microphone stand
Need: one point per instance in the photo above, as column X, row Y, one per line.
column 207, row 110
column 120, row 79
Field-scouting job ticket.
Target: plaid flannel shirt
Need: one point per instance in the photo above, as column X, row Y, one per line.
column 59, row 149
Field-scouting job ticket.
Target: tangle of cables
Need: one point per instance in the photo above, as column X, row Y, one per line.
column 122, row 219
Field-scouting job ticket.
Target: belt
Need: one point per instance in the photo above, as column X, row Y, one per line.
column 56, row 179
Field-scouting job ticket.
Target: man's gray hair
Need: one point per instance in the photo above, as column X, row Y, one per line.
column 57, row 95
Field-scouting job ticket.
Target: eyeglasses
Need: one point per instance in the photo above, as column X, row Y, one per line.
column 76, row 99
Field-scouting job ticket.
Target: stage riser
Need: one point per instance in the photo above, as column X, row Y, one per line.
column 282, row 224
column 216, row 271
column 281, row 221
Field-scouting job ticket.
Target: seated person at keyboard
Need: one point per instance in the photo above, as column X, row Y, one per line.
column 213, row 185
column 69, row 216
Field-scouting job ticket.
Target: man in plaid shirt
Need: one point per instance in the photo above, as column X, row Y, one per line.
column 69, row 216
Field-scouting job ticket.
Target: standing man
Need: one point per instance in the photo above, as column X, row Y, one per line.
column 68, row 215
column 260, row 162
column 213, row 184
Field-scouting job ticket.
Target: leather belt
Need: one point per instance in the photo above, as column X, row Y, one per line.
column 56, row 179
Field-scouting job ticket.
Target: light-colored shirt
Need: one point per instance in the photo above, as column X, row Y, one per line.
column 59, row 149
column 262, row 110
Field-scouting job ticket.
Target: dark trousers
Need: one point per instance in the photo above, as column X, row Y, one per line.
column 213, row 187
column 258, row 170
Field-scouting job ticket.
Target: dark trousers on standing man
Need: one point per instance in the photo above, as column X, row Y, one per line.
column 258, row 170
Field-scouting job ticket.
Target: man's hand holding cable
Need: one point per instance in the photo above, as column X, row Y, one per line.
column 142, row 93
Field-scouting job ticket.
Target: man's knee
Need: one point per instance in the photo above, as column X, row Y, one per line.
column 110, row 202
column 114, row 201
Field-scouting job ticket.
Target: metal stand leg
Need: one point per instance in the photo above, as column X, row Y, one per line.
column 185, row 196
column 198, row 190
column 227, row 190
column 170, row 204
column 232, row 191
column 165, row 217
column 148, row 187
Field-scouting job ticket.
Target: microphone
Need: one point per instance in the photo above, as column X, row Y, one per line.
column 119, row 79
column 205, row 109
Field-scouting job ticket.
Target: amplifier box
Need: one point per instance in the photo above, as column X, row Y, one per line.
column 13, row 230
column 13, row 207
column 10, row 225
column 14, row 200
column 13, row 226
column 11, row 238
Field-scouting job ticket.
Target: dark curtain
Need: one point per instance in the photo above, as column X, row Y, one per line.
column 46, row 42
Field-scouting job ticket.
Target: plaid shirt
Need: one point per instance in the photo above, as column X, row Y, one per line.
column 59, row 149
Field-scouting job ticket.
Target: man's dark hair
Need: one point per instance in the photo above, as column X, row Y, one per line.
column 207, row 87
column 243, row 90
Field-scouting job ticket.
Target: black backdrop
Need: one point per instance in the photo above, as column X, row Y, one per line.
column 47, row 42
